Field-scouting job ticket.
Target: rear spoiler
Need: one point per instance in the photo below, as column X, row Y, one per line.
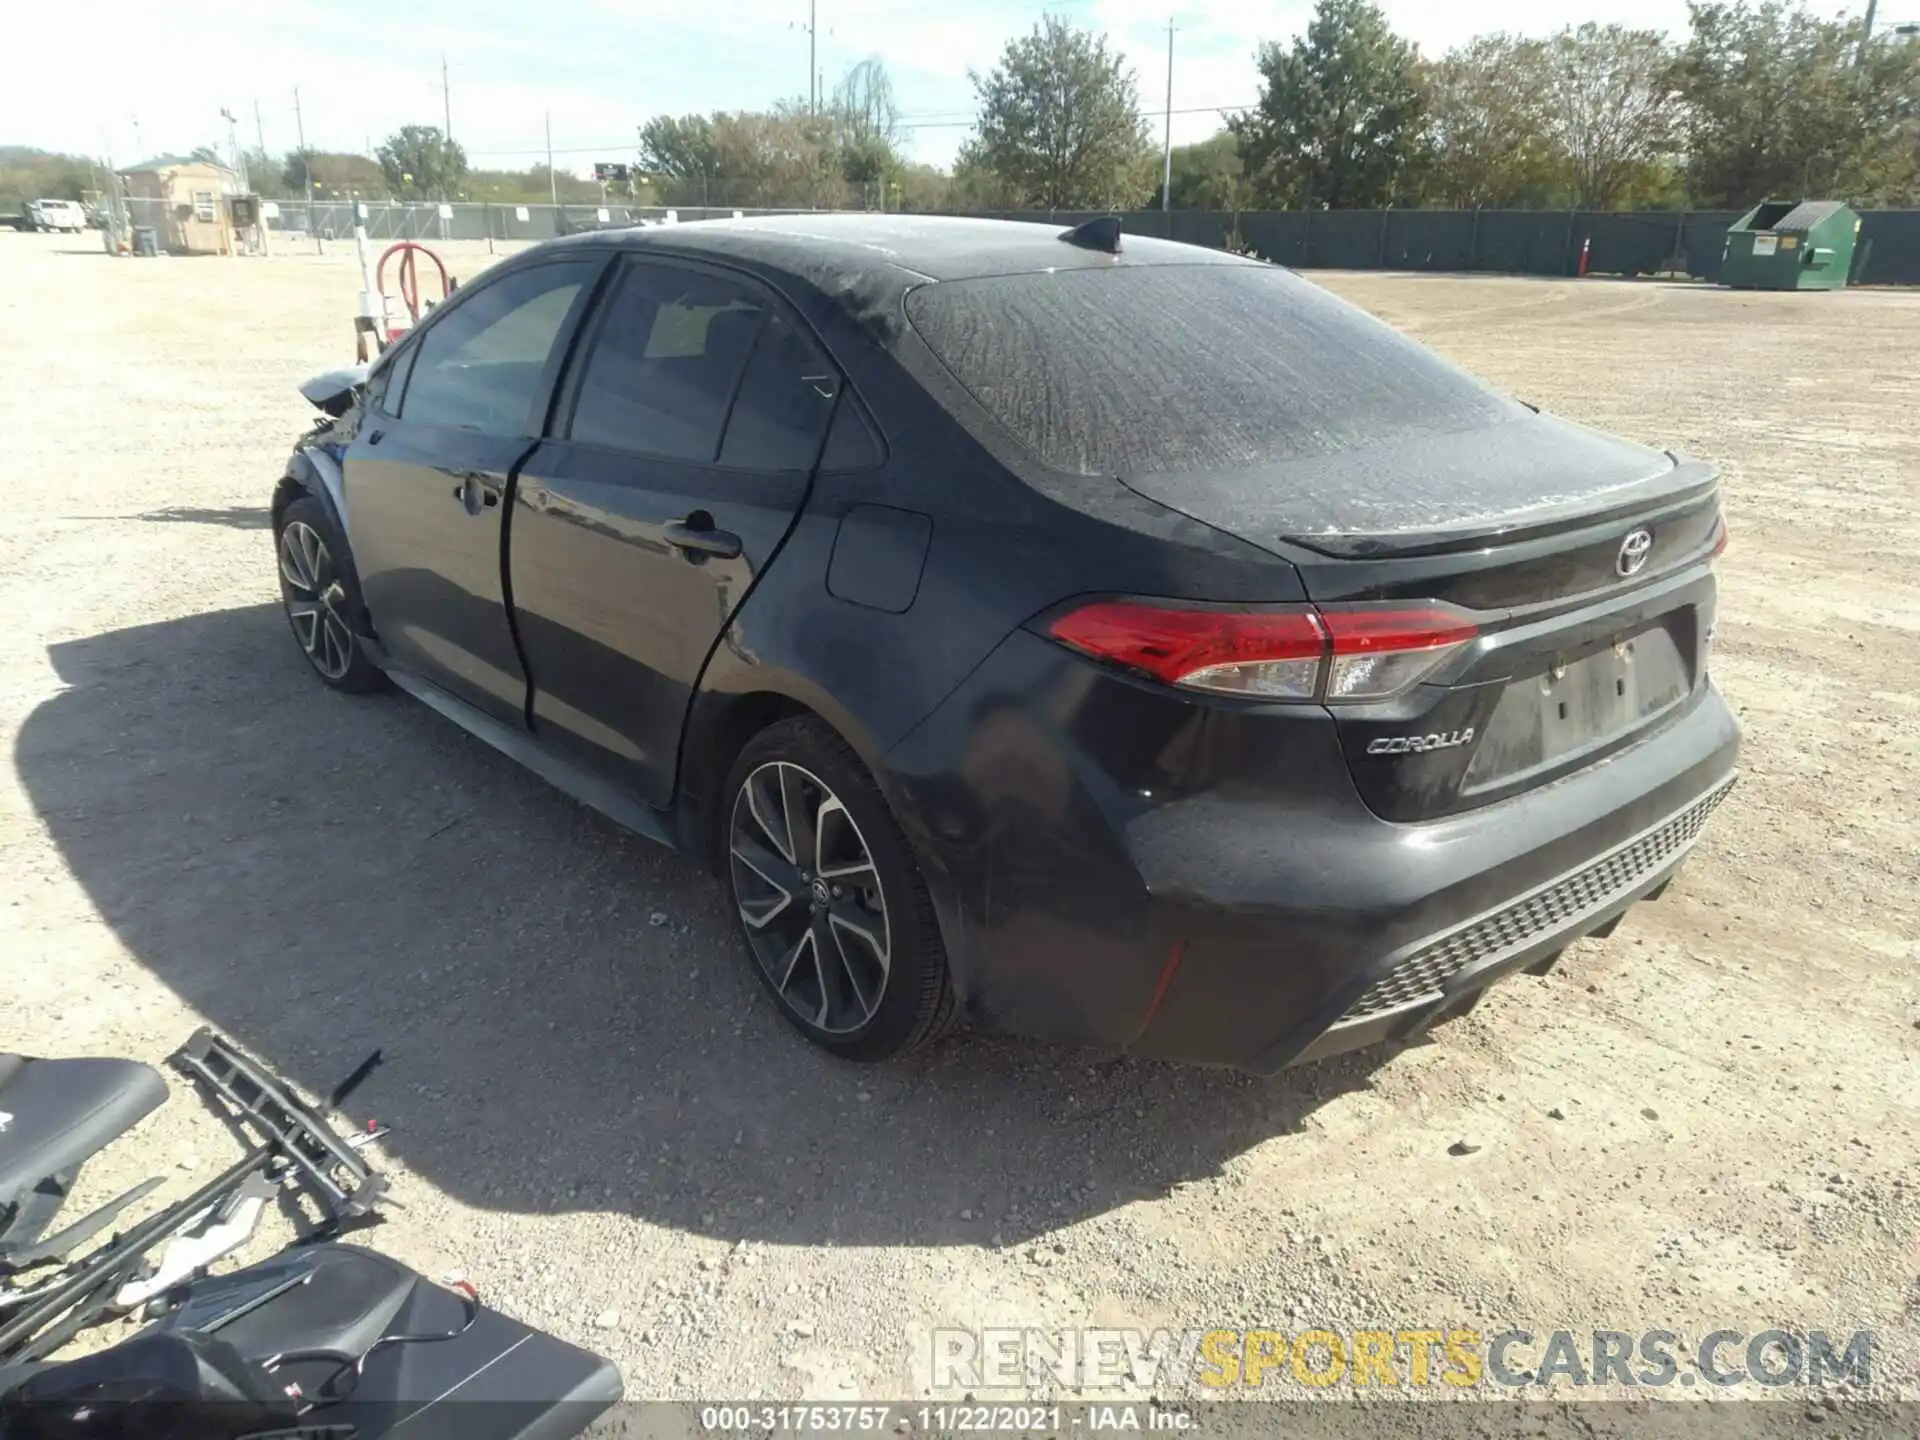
column 1684, row 485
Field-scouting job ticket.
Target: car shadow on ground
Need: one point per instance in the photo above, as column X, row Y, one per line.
column 567, row 1018
column 233, row 517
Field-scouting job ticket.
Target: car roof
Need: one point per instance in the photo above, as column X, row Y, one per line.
column 899, row 247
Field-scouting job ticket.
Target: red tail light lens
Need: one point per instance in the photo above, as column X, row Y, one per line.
column 1273, row 654
column 1344, row 654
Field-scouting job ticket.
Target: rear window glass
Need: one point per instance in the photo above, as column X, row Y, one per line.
column 1163, row 369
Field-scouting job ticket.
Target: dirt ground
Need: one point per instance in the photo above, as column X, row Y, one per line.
column 1707, row 1122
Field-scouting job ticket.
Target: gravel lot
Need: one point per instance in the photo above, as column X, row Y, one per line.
column 1707, row 1122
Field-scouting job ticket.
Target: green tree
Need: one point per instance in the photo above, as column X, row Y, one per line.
column 975, row 187
column 785, row 157
column 1208, row 175
column 866, row 121
column 1490, row 137
column 30, row 174
column 1614, row 105
column 420, row 163
column 536, row 188
column 922, row 188
column 1785, row 103
column 334, row 173
column 264, row 174
column 1060, row 125
column 1341, row 119
column 679, row 153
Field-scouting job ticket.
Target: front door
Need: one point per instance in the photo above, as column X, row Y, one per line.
column 682, row 451
column 427, row 481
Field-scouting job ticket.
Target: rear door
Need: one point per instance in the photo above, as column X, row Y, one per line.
column 428, row 475
column 681, row 451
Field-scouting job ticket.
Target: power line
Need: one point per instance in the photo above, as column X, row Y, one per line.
column 907, row 121
column 1176, row 110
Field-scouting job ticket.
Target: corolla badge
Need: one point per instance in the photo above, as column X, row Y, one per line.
column 1420, row 744
column 1634, row 551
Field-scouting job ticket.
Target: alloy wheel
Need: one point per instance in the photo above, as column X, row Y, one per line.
column 810, row 897
column 312, row 597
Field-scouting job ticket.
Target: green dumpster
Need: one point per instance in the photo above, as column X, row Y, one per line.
column 1790, row 245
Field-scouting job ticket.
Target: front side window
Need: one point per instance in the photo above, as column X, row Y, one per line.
column 480, row 366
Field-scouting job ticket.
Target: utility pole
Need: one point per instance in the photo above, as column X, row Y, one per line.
column 813, row 59
column 138, row 144
column 553, row 185
column 239, row 163
column 1166, row 174
column 1866, row 33
column 306, row 168
column 259, row 130
column 446, row 135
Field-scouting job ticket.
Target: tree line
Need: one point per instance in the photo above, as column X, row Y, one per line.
column 1758, row 98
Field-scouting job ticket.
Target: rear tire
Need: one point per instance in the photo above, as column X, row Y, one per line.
column 319, row 595
column 836, row 918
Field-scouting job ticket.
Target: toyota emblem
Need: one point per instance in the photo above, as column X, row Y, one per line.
column 1634, row 551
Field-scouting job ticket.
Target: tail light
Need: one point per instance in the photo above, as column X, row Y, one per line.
column 1333, row 654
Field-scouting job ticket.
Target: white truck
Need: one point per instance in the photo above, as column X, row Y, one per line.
column 57, row 215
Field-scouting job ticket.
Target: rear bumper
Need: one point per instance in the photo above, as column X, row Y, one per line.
column 1446, row 975
column 1205, row 885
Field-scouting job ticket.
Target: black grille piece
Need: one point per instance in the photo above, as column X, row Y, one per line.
column 1421, row 977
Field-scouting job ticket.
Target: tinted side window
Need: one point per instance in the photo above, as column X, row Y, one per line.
column 665, row 363
column 851, row 443
column 390, row 384
column 479, row 366
column 785, row 403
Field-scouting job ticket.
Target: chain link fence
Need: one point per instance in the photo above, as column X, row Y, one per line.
column 473, row 220
column 1514, row 242
column 1508, row 242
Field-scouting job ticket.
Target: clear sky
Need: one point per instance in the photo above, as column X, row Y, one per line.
column 601, row 67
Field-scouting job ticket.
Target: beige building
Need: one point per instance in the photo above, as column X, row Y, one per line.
column 186, row 201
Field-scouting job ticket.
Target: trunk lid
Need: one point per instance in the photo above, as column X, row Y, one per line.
column 1526, row 475
column 1583, row 560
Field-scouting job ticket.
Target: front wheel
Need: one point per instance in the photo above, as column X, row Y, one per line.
column 315, row 590
column 831, row 901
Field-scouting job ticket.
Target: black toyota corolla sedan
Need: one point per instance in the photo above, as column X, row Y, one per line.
column 1103, row 639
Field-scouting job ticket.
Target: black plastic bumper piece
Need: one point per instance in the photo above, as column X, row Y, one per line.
column 1442, row 977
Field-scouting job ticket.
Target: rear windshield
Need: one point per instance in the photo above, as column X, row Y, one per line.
column 1160, row 369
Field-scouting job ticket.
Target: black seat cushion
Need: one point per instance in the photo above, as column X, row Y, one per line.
column 55, row 1113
